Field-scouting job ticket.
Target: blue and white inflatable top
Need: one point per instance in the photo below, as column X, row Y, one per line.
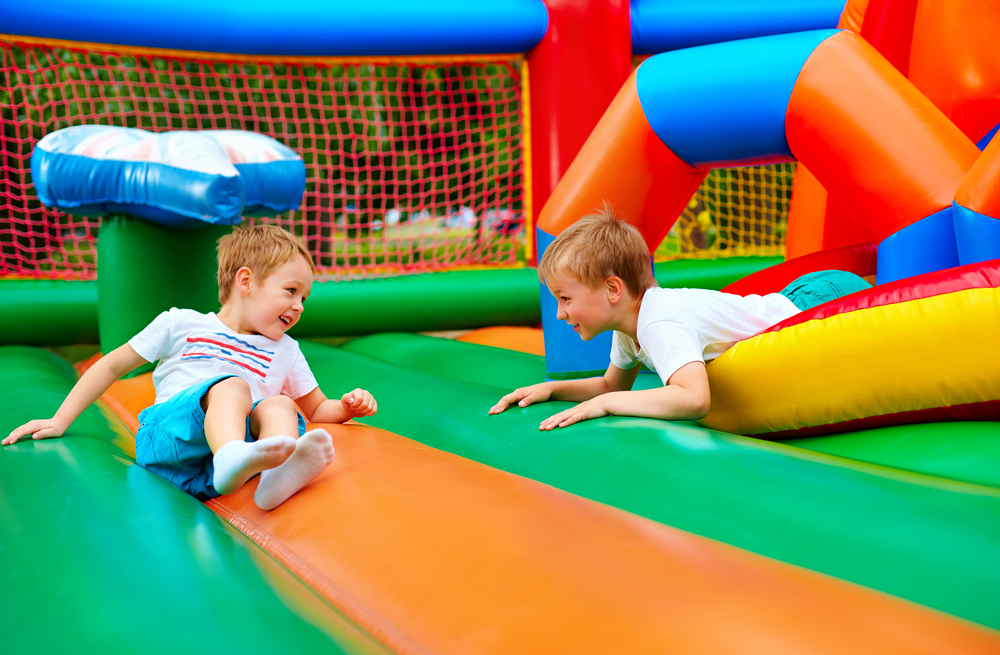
column 181, row 179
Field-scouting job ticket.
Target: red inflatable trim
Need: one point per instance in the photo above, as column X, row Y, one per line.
column 858, row 259
column 988, row 410
column 888, row 26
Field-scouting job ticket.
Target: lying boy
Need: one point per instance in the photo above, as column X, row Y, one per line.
column 598, row 270
column 227, row 384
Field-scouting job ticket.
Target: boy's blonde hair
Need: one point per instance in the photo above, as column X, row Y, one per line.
column 598, row 246
column 261, row 248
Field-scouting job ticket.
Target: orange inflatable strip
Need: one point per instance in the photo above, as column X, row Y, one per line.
column 432, row 552
column 806, row 216
column 522, row 339
column 817, row 220
column 625, row 162
column 980, row 191
column 872, row 139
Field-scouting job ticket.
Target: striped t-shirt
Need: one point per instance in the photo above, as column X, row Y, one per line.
column 192, row 347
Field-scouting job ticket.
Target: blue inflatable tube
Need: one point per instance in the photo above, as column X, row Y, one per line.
column 977, row 236
column 306, row 28
column 662, row 25
column 927, row 245
column 689, row 98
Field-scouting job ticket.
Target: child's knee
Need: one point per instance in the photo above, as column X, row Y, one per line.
column 276, row 406
column 230, row 390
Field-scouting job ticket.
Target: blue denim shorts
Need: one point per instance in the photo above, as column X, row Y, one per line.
column 171, row 441
column 817, row 288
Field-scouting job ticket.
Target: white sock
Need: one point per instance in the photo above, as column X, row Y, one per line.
column 238, row 461
column 313, row 453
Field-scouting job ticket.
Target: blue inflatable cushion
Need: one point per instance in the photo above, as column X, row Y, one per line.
column 182, row 179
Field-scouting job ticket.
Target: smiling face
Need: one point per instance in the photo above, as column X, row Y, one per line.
column 274, row 304
column 589, row 311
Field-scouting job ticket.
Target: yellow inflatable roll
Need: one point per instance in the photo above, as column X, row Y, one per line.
column 919, row 350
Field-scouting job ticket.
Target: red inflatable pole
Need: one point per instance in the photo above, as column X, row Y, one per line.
column 575, row 72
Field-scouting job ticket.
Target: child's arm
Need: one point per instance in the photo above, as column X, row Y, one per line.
column 88, row 388
column 615, row 379
column 317, row 408
column 685, row 397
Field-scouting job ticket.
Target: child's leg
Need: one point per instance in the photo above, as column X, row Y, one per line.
column 313, row 453
column 227, row 405
column 276, row 416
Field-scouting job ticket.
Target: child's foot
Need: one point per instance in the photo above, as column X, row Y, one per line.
column 238, row 461
column 313, row 453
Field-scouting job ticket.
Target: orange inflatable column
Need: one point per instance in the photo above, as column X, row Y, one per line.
column 817, row 220
column 953, row 60
column 808, row 216
column 873, row 140
column 977, row 208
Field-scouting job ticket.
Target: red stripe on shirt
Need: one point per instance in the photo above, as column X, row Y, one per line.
column 227, row 347
column 233, row 361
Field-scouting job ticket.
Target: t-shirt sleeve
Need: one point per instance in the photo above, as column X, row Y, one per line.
column 670, row 345
column 622, row 353
column 300, row 380
column 153, row 343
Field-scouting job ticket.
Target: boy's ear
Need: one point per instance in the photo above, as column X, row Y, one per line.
column 242, row 281
column 615, row 287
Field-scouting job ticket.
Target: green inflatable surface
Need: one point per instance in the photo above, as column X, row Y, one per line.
column 452, row 360
column 101, row 556
column 969, row 452
column 927, row 539
column 463, row 362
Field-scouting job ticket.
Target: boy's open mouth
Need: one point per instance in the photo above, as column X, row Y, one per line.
column 284, row 320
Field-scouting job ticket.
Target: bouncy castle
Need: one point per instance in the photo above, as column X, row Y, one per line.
column 843, row 493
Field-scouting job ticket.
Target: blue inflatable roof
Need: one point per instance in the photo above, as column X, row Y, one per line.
column 303, row 28
column 664, row 25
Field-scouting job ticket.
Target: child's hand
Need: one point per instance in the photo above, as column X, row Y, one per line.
column 593, row 408
column 359, row 403
column 38, row 429
column 536, row 393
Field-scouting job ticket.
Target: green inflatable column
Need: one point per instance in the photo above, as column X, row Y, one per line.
column 144, row 269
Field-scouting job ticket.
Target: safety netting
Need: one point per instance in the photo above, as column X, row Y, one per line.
column 411, row 165
column 736, row 212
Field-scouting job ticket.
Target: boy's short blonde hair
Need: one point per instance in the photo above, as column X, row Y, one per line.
column 261, row 248
column 598, row 246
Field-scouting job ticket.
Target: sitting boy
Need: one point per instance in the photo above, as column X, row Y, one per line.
column 598, row 270
column 227, row 384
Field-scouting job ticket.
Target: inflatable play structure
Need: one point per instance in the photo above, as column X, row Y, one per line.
column 843, row 495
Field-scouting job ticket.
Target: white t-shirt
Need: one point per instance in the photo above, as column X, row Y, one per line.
column 680, row 326
column 193, row 347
